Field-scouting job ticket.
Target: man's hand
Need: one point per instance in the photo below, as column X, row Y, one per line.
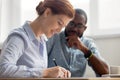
column 74, row 41
column 56, row 72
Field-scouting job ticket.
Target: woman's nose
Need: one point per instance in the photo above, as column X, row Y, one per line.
column 58, row 30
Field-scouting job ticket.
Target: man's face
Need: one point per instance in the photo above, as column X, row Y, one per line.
column 76, row 26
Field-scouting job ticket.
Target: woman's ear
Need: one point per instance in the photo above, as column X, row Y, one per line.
column 47, row 12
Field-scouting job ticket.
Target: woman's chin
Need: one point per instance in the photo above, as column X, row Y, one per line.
column 51, row 34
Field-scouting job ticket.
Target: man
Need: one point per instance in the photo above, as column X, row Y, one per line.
column 71, row 50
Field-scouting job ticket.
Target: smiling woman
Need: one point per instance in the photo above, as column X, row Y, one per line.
column 29, row 58
column 58, row 17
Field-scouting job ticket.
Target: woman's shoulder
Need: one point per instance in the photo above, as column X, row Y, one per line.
column 18, row 32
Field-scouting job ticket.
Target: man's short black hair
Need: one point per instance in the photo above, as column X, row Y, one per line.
column 81, row 12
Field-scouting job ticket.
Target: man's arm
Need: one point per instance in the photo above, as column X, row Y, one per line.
column 98, row 65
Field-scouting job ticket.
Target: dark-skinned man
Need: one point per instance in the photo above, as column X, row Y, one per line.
column 71, row 50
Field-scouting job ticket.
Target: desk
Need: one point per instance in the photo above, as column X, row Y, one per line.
column 59, row 78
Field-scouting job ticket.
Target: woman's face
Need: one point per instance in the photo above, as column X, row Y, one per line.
column 54, row 23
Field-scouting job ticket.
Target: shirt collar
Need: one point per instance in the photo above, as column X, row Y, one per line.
column 43, row 38
column 29, row 31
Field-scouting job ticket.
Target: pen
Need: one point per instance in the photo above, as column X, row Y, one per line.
column 54, row 62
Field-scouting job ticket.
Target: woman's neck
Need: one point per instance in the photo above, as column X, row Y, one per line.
column 36, row 27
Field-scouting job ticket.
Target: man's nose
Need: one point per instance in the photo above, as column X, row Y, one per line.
column 75, row 28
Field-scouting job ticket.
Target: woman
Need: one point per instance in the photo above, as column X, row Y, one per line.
column 24, row 51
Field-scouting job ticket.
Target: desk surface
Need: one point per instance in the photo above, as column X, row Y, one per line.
column 60, row 78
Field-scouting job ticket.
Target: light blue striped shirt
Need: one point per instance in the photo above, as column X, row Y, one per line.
column 20, row 56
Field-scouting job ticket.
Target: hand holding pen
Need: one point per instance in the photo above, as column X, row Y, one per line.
column 64, row 73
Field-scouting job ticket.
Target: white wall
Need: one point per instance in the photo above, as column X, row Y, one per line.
column 110, row 50
column 9, row 17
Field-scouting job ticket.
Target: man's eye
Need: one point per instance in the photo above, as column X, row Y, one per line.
column 72, row 24
column 80, row 25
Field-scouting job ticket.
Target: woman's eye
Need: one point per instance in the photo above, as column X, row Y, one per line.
column 60, row 23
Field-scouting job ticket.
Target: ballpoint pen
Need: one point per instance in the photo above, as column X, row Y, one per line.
column 55, row 62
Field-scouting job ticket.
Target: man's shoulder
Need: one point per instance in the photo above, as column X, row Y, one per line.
column 56, row 36
column 53, row 38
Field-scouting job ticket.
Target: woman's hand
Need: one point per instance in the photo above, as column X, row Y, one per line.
column 56, row 72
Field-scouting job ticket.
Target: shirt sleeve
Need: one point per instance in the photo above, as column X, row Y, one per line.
column 12, row 50
column 92, row 46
